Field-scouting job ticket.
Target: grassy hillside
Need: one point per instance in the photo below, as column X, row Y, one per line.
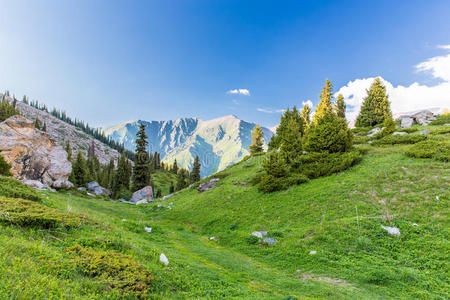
column 162, row 180
column 339, row 217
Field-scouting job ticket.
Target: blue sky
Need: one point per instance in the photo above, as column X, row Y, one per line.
column 111, row 61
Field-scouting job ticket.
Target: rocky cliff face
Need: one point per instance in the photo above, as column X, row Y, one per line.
column 32, row 154
column 61, row 132
column 218, row 143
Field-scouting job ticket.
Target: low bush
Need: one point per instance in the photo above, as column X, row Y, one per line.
column 408, row 130
column 399, row 139
column 115, row 270
column 32, row 214
column 314, row 165
column 441, row 119
column 438, row 150
column 442, row 130
column 361, row 131
column 125, row 194
column 12, row 188
column 360, row 140
column 252, row 240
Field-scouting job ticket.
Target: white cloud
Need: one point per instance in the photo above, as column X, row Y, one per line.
column 270, row 111
column 307, row 102
column 243, row 92
column 405, row 98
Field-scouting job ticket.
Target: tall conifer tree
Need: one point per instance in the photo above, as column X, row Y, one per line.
column 141, row 174
column 257, row 140
column 340, row 106
column 325, row 104
column 196, row 170
column 376, row 107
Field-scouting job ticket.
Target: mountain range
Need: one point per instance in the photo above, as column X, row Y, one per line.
column 218, row 143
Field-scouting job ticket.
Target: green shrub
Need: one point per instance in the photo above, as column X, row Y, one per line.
column 408, row 130
column 314, row 165
column 361, row 131
column 32, row 214
column 438, row 150
column 441, row 119
column 330, row 134
column 270, row 183
column 115, row 270
column 399, row 139
column 252, row 240
column 443, row 130
column 125, row 194
column 4, row 167
column 389, row 127
column 12, row 188
column 360, row 140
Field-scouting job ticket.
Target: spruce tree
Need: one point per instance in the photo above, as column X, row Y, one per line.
column 257, row 140
column 141, row 174
column 306, row 115
column 340, row 106
column 44, row 127
column 69, row 151
column 37, row 124
column 196, row 170
column 181, row 180
column 276, row 139
column 4, row 167
column 376, row 107
column 172, row 188
column 325, row 104
column 121, row 179
column 175, row 167
column 80, row 172
column 291, row 145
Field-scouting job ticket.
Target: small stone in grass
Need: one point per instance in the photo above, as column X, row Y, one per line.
column 123, row 220
column 163, row 259
column 313, row 252
column 148, row 229
column 391, row 230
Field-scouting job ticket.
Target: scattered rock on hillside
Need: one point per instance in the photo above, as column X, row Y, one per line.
column 259, row 234
column 143, row 201
column 391, row 230
column 213, row 238
column 163, row 259
column 148, row 229
column 167, row 197
column 270, row 241
column 427, row 131
column 62, row 183
column 422, row 117
column 33, row 155
column 145, row 193
column 94, row 187
column 399, row 133
column 36, row 184
column 374, row 131
column 313, row 252
column 82, row 189
column 207, row 185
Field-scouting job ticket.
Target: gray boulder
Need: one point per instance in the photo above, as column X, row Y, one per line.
column 62, row 183
column 399, row 133
column 145, row 193
column 406, row 122
column 207, row 185
column 422, row 117
column 36, row 184
column 427, row 131
column 82, row 189
column 167, row 197
column 269, row 241
column 94, row 187
column 374, row 131
column 391, row 230
column 259, row 234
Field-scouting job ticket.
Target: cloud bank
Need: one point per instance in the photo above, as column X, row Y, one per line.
column 243, row 92
column 405, row 98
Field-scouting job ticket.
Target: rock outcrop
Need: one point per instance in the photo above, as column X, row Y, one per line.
column 422, row 117
column 32, row 154
column 97, row 189
column 144, row 194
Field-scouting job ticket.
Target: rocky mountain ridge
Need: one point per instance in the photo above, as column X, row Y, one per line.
column 218, row 143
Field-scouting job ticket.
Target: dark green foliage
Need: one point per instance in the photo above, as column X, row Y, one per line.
column 175, row 167
column 44, row 127
column 282, row 129
column 257, row 140
column 80, row 173
column 252, row 240
column 441, row 119
column 376, row 107
column 315, row 165
column 7, row 109
column 4, row 167
column 141, row 172
column 438, row 150
column 329, row 133
column 181, row 180
column 408, row 130
column 158, row 193
column 122, row 176
column 196, row 170
column 442, row 130
column 172, row 188
column 115, row 270
column 361, row 131
column 68, row 150
column 32, row 214
column 360, row 140
column 12, row 188
column 389, row 127
column 291, row 142
column 399, row 139
column 37, row 124
column 125, row 194
column 276, row 173
column 340, row 106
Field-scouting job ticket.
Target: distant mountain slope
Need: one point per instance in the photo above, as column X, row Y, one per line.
column 218, row 143
column 61, row 132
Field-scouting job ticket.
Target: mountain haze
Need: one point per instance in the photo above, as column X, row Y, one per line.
column 218, row 143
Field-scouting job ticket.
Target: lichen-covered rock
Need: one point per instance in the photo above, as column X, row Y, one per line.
column 33, row 155
column 62, row 183
column 145, row 193
column 94, row 187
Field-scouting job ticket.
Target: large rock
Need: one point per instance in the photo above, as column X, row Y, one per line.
column 422, row 117
column 36, row 184
column 207, row 185
column 94, row 187
column 143, row 194
column 62, row 183
column 33, row 155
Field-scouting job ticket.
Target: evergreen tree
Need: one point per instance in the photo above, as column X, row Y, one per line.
column 181, row 180
column 44, row 127
column 121, row 179
column 158, row 193
column 196, row 170
column 37, row 124
column 4, row 167
column 7, row 109
column 175, row 167
column 340, row 106
column 257, row 140
column 79, row 170
column 69, row 151
column 172, row 188
column 291, row 145
column 325, row 104
column 141, row 174
column 376, row 107
column 277, row 139
column 306, row 115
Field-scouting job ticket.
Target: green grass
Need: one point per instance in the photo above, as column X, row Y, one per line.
column 339, row 216
column 162, row 180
